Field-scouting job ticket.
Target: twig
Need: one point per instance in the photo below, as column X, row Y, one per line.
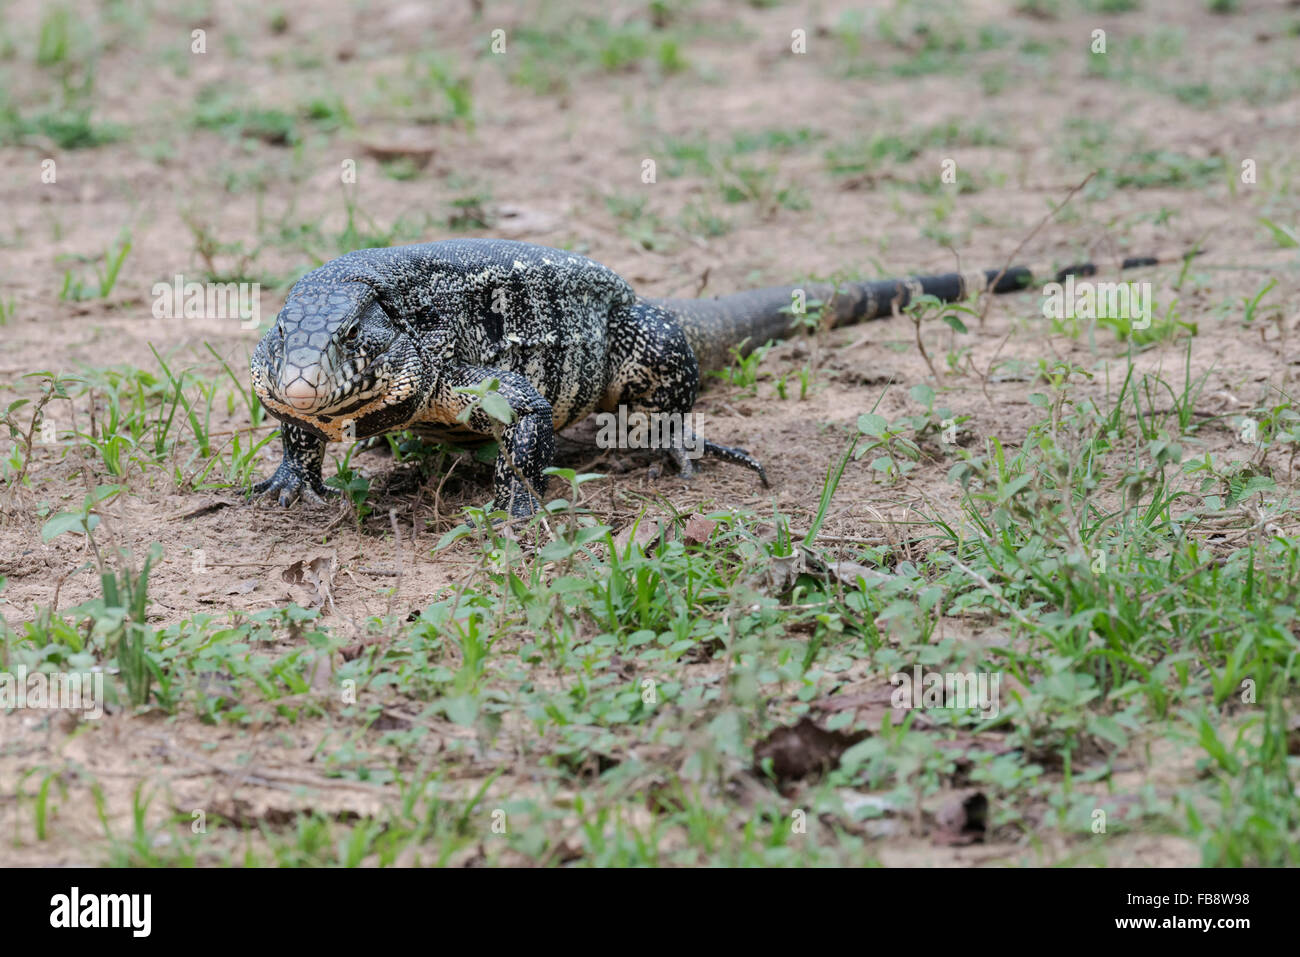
column 1051, row 214
column 397, row 545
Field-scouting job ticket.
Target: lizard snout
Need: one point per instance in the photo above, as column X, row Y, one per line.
column 302, row 391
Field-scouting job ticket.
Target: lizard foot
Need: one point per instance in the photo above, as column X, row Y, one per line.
column 739, row 457
column 519, row 505
column 287, row 485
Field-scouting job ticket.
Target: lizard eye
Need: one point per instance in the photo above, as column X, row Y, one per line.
column 352, row 333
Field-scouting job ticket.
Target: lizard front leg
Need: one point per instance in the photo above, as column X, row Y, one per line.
column 527, row 442
column 299, row 471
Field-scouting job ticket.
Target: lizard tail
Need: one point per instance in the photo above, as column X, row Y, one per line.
column 746, row 320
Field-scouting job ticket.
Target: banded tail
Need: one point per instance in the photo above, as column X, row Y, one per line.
column 746, row 320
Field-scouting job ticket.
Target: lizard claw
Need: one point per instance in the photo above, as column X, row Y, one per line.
column 739, row 457
column 287, row 485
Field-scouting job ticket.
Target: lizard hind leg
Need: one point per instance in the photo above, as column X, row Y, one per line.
column 654, row 379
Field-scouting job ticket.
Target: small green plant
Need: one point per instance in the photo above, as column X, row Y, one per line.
column 126, row 602
column 1284, row 236
column 469, row 212
column 900, row 453
column 354, row 486
column 1250, row 306
column 25, row 434
column 743, row 371
column 76, row 289
column 54, row 41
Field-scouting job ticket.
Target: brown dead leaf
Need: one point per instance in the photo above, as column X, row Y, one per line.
column 389, row 721
column 641, row 533
column 869, row 705
column 803, row 749
column 517, row 221
column 419, row 154
column 778, row 575
column 698, row 530
column 314, row 579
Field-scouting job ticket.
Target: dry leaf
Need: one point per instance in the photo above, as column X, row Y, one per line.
column 389, row 721
column 316, row 578
column 642, row 534
column 804, row 749
column 778, row 576
column 515, row 221
column 698, row 530
column 418, row 154
column 849, row 572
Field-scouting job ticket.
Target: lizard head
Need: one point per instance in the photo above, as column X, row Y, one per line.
column 337, row 364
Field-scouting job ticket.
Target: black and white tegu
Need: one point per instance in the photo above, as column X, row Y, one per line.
column 382, row 340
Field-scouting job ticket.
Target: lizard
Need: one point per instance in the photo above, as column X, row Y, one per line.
column 399, row 338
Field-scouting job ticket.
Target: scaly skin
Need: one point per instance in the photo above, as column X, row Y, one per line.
column 380, row 340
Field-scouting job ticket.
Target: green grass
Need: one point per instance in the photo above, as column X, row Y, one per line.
column 1122, row 624
column 908, row 40
column 877, row 150
column 548, row 59
column 742, row 169
column 703, row 154
column 429, row 89
column 1163, row 169
column 66, row 120
column 1155, row 63
column 219, row 111
column 64, row 112
column 76, row 286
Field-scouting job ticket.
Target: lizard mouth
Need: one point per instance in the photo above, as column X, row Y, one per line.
column 351, row 407
column 353, row 395
column 360, row 410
